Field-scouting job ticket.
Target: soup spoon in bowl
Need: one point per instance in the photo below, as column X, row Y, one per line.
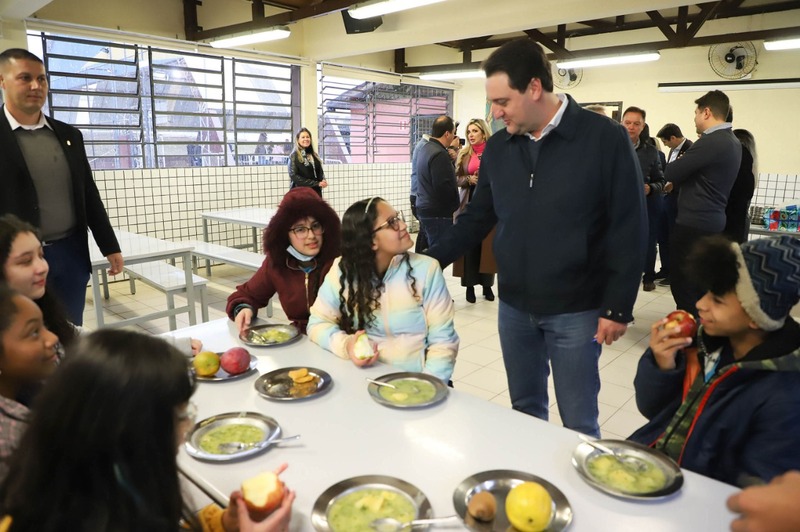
column 230, row 447
column 629, row 462
column 381, row 383
column 390, row 524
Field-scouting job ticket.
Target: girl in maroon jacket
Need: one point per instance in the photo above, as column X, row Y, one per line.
column 300, row 242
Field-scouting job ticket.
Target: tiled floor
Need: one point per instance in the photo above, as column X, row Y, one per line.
column 479, row 370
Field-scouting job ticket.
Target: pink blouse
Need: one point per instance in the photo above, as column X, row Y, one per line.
column 475, row 160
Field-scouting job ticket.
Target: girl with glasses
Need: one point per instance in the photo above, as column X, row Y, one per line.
column 301, row 242
column 399, row 299
column 100, row 450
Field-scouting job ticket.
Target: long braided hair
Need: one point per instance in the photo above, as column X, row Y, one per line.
column 361, row 285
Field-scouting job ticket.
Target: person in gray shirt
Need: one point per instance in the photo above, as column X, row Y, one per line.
column 704, row 176
column 47, row 181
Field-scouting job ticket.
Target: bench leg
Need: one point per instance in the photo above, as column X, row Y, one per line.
column 203, row 304
column 104, row 273
column 269, row 307
column 171, row 306
column 132, row 281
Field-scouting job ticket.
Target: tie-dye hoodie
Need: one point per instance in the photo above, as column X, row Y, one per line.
column 411, row 334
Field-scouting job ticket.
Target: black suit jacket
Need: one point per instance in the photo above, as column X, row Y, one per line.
column 19, row 193
column 685, row 146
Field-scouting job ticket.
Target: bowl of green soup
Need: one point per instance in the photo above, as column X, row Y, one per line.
column 408, row 390
column 252, row 429
column 353, row 504
column 644, row 473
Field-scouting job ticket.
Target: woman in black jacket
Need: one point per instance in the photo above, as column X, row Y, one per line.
column 305, row 166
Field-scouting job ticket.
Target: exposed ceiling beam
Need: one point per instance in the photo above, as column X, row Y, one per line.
column 626, row 48
column 330, row 6
column 664, row 26
column 558, row 48
column 721, row 10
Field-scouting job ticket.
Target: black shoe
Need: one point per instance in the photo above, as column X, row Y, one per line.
column 661, row 275
column 470, row 295
column 648, row 287
column 664, row 282
column 487, row 293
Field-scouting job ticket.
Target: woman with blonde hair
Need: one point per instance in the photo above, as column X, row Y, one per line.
column 478, row 265
column 305, row 166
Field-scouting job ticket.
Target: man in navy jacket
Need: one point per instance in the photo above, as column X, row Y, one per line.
column 47, row 181
column 437, row 190
column 564, row 187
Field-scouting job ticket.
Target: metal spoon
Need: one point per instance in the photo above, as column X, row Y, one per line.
column 630, row 462
column 379, row 383
column 390, row 524
column 230, row 447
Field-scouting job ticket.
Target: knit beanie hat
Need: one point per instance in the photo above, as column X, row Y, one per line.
column 769, row 279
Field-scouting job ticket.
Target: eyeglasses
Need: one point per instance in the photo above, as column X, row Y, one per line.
column 301, row 231
column 190, row 414
column 393, row 222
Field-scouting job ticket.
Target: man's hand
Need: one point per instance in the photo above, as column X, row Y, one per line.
column 117, row 262
column 770, row 508
column 323, row 183
column 646, row 189
column 609, row 331
column 668, row 187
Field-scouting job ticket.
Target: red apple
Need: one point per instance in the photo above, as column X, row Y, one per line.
column 685, row 322
column 263, row 493
column 235, row 360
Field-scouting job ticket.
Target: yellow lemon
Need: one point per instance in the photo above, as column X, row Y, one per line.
column 529, row 507
column 206, row 364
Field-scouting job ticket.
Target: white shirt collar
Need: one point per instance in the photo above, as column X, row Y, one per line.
column 555, row 121
column 15, row 125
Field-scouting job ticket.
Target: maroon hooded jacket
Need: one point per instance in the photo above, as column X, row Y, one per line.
column 280, row 272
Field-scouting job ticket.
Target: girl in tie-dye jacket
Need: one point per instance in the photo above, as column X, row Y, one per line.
column 398, row 298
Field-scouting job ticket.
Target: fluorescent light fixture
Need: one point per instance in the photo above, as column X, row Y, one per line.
column 786, row 44
column 455, row 74
column 271, row 34
column 609, row 60
column 384, row 7
column 751, row 84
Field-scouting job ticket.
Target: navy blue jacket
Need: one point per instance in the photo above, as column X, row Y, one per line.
column 747, row 423
column 570, row 215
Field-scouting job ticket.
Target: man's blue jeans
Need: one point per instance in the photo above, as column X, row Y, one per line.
column 435, row 227
column 532, row 343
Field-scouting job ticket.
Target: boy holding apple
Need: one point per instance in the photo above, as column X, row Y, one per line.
column 729, row 408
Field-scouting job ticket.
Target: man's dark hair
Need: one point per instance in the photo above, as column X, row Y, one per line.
column 729, row 118
column 669, row 131
column 521, row 60
column 442, row 125
column 634, row 109
column 712, row 265
column 18, row 54
column 717, row 102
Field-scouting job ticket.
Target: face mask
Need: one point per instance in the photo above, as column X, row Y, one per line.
column 299, row 256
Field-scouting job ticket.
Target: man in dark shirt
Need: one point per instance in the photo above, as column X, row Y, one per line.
column 704, row 176
column 633, row 119
column 47, row 181
column 437, row 191
column 569, row 253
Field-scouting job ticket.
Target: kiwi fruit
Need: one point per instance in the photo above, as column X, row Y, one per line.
column 482, row 506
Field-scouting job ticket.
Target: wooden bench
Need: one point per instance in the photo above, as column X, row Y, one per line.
column 170, row 280
column 248, row 260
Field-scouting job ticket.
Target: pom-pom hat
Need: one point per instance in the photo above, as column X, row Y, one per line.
column 769, row 279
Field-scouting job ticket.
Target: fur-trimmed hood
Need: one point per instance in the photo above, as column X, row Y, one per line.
column 301, row 202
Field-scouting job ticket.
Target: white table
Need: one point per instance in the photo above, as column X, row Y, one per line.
column 137, row 249
column 255, row 217
column 345, row 434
